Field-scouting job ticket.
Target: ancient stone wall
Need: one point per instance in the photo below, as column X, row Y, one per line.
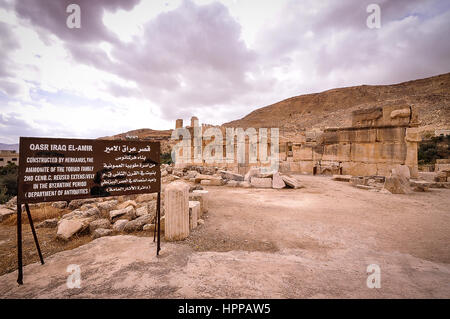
column 379, row 139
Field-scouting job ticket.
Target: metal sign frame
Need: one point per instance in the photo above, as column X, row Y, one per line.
column 56, row 150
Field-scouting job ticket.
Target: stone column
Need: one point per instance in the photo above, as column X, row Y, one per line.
column 412, row 139
column 176, row 206
column 194, row 211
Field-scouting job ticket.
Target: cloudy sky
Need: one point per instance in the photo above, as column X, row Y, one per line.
column 143, row 64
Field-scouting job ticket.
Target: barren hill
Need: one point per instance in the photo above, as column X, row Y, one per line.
column 333, row 108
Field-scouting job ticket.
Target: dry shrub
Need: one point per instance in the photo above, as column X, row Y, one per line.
column 38, row 214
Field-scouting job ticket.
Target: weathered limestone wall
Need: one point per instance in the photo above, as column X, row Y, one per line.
column 378, row 140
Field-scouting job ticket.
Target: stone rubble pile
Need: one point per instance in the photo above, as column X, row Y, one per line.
column 399, row 182
column 214, row 176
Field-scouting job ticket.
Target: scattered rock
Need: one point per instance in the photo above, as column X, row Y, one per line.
column 402, row 170
column 252, row 172
column 99, row 223
column 107, row 206
column 60, row 205
column 146, row 198
column 77, row 203
column 120, row 225
column 69, row 227
column 342, row 178
column 149, row 227
column 420, row 186
column 142, row 211
column 124, row 213
column 127, row 204
column 261, row 182
column 232, row 176
column 48, row 223
column 12, row 203
column 5, row 212
column 291, row 182
column 138, row 223
column 397, row 184
column 101, row 232
column 277, row 181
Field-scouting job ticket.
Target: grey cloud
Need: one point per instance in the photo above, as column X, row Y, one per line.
column 52, row 16
column 409, row 44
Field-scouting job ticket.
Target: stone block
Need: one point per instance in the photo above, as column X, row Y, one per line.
column 194, row 212
column 261, row 182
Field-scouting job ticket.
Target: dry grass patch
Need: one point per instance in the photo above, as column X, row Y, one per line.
column 38, row 214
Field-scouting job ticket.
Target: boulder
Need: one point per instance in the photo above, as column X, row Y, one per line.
column 342, row 178
column 441, row 177
column 99, row 223
column 200, row 177
column 107, row 206
column 420, row 186
column 5, row 212
column 146, row 198
column 124, row 213
column 231, row 176
column 101, row 232
column 69, row 227
column 401, row 170
column 277, row 181
column 138, row 223
column 200, row 221
column 77, row 214
column 261, row 182
column 77, row 203
column 264, row 175
column 120, row 225
column 127, row 204
column 12, row 203
column 48, row 223
column 60, row 204
column 397, row 184
column 142, row 211
column 252, row 172
column 191, row 174
column 149, row 227
column 291, row 182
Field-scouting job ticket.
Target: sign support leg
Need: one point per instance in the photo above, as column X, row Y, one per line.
column 158, row 217
column 19, row 244
column 34, row 233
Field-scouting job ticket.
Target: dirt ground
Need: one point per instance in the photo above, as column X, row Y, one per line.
column 314, row 242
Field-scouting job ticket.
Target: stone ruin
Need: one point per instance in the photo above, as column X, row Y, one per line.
column 379, row 140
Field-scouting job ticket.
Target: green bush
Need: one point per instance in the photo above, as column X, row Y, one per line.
column 166, row 158
column 437, row 147
column 8, row 182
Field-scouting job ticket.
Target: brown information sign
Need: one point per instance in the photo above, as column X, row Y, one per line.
column 54, row 169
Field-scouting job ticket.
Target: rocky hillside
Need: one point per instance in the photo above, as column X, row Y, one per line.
column 333, row 108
